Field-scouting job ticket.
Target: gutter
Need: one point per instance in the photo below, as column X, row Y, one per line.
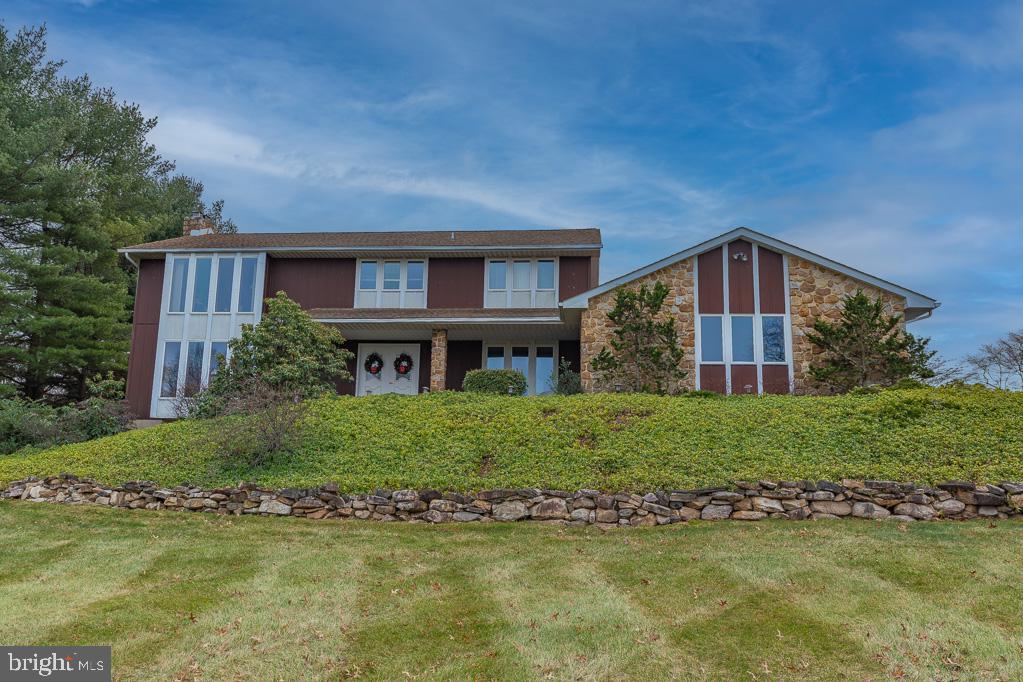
column 370, row 249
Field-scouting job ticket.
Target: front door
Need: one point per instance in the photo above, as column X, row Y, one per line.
column 376, row 372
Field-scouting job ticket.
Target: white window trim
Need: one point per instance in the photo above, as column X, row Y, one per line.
column 509, row 281
column 758, row 328
column 507, row 346
column 402, row 282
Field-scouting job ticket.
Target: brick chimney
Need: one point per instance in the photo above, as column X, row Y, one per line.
column 197, row 224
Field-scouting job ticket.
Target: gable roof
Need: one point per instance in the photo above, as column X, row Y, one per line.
column 917, row 305
column 437, row 240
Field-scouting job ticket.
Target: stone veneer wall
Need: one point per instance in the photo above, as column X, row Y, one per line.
column 745, row 501
column 595, row 329
column 816, row 291
column 438, row 359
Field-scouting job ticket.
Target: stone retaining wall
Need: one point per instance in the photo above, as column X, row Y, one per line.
column 745, row 501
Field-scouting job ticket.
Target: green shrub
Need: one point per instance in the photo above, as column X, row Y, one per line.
column 566, row 381
column 702, row 394
column 26, row 423
column 497, row 381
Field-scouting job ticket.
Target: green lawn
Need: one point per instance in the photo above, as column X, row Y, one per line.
column 189, row 596
column 611, row 442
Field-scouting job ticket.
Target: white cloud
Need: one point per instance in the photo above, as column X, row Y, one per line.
column 999, row 46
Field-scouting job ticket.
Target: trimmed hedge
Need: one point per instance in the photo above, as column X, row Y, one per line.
column 606, row 441
column 495, row 381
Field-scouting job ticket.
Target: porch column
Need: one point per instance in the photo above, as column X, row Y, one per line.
column 438, row 360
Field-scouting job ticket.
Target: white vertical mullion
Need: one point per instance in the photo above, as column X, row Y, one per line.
column 697, row 350
column 758, row 340
column 726, row 322
column 788, row 323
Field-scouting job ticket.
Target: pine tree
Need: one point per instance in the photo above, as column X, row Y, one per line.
column 645, row 355
column 867, row 347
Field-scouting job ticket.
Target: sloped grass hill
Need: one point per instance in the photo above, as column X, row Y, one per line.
column 610, row 442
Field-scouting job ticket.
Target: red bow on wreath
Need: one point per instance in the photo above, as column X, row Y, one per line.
column 403, row 364
column 374, row 363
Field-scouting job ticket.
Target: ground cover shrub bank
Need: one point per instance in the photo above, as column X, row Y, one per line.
column 606, row 442
column 744, row 501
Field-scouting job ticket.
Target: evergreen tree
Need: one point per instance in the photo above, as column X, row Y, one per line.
column 645, row 355
column 77, row 181
column 867, row 347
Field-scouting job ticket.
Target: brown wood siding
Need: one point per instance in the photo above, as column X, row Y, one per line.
column 145, row 327
column 347, row 386
column 772, row 282
column 776, row 379
column 712, row 378
column 455, row 283
column 712, row 287
column 424, row 364
column 313, row 282
column 573, row 276
column 569, row 350
column 740, row 278
column 462, row 357
column 742, row 376
column 594, row 271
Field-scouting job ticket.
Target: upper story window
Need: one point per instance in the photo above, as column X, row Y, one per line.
column 521, row 283
column 396, row 283
column 203, row 284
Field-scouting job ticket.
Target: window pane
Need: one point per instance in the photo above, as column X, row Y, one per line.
column 520, row 275
column 495, row 357
column 545, row 275
column 368, row 275
column 225, row 283
column 742, row 339
column 414, row 279
column 520, row 361
column 171, row 361
column 774, row 339
column 710, row 339
column 193, row 367
column 201, row 294
column 545, row 379
column 392, row 275
column 179, row 279
column 218, row 356
column 498, row 274
column 247, row 287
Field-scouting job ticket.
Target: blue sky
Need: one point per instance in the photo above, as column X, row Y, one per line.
column 886, row 135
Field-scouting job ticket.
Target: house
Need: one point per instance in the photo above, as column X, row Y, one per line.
column 447, row 302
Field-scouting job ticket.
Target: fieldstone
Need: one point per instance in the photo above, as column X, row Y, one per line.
column 648, row 520
column 869, row 510
column 1011, row 488
column 465, row 517
column 308, row 503
column 830, row 487
column 831, row 508
column 581, row 514
column 1016, row 500
column 905, row 518
column 767, row 505
column 437, row 516
column 821, row 496
column 781, row 493
column 987, row 511
column 271, row 507
column 656, row 509
column 607, row 516
column 687, row 513
column 714, row 512
column 405, row 496
column 197, row 503
column 605, row 502
column 917, row 511
column 727, row 496
column 364, row 514
column 799, row 514
column 447, row 506
column 950, row 507
column 317, row 514
column 789, row 505
column 822, row 516
column 980, row 499
column 583, row 503
column 510, row 511
column 551, row 508
column 749, row 515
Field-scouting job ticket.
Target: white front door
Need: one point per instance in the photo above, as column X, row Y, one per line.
column 374, row 378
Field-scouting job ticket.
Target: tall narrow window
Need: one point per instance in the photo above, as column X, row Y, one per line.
column 774, row 339
column 179, row 283
column 711, row 349
column 225, row 284
column 495, row 357
column 201, row 290
column 193, row 367
column 545, row 379
column 414, row 278
column 392, row 276
column 169, row 375
column 545, row 275
column 520, row 275
column 498, row 274
column 368, row 275
column 247, row 286
column 520, row 361
column 742, row 339
column 218, row 356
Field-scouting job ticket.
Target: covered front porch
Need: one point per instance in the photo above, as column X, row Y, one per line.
column 412, row 352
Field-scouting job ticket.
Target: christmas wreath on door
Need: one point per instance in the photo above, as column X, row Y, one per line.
column 403, row 365
column 374, row 364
